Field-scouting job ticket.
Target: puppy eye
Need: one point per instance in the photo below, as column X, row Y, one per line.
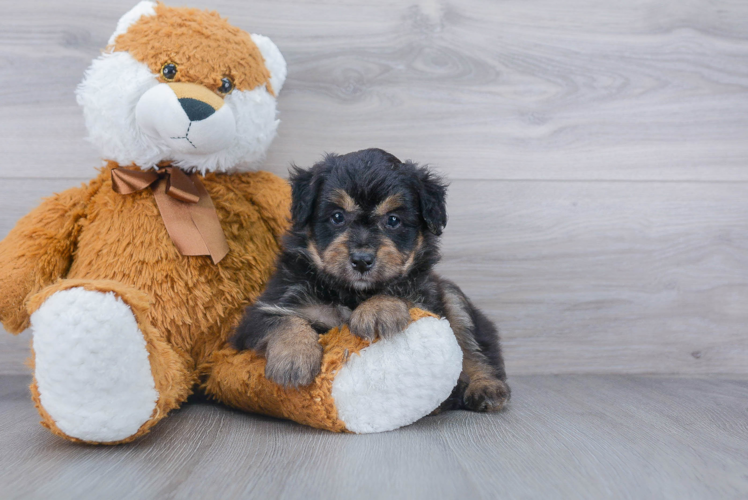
column 169, row 71
column 337, row 218
column 226, row 85
column 393, row 221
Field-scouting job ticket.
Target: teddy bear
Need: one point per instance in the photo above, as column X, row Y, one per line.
column 132, row 283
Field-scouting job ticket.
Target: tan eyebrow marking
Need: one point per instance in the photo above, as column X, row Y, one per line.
column 343, row 200
column 389, row 204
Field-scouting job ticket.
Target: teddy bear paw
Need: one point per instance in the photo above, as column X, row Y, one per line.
column 91, row 365
column 397, row 381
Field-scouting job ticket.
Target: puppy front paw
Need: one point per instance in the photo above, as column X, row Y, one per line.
column 486, row 395
column 294, row 360
column 380, row 315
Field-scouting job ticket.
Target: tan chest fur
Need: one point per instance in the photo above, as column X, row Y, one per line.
column 195, row 303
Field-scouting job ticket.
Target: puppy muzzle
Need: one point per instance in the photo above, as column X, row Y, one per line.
column 186, row 118
column 362, row 261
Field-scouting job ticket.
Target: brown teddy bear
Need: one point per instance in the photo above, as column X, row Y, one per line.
column 133, row 282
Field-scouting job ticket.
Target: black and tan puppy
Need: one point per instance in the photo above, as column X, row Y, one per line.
column 361, row 251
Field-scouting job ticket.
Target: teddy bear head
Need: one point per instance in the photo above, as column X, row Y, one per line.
column 182, row 86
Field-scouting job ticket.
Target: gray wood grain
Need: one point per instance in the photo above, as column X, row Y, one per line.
column 654, row 89
column 581, row 277
column 606, row 277
column 618, row 437
column 14, row 352
column 597, row 152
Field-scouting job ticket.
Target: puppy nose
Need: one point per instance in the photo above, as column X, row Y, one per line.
column 362, row 261
column 196, row 110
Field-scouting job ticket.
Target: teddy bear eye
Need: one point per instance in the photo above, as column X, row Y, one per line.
column 169, row 71
column 226, row 85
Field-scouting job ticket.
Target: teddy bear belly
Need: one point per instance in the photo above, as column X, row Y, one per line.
column 195, row 303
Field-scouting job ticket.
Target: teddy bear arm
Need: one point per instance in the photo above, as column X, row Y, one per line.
column 272, row 197
column 37, row 252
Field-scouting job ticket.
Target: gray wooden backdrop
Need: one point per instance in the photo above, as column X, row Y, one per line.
column 597, row 152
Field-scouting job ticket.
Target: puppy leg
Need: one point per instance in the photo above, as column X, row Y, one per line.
column 484, row 392
column 380, row 315
column 324, row 317
column 293, row 352
column 483, row 375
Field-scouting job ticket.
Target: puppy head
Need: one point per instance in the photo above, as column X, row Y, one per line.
column 367, row 218
column 184, row 86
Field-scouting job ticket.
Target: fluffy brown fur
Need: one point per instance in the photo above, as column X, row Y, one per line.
column 198, row 35
column 94, row 238
column 238, row 379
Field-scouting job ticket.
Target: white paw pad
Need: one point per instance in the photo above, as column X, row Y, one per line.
column 92, row 366
column 397, row 381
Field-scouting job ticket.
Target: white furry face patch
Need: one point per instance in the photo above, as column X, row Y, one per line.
column 134, row 119
column 181, row 118
column 203, row 114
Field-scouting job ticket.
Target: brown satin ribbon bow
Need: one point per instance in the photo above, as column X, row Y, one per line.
column 185, row 205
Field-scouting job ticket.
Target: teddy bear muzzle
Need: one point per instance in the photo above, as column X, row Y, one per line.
column 186, row 118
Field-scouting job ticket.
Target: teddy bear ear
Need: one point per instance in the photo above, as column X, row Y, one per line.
column 274, row 61
column 145, row 8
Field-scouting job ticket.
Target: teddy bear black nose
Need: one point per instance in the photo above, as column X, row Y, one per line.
column 361, row 261
column 196, row 110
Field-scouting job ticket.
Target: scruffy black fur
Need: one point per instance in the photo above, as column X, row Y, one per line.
column 361, row 251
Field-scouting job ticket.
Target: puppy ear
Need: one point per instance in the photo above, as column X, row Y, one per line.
column 432, row 193
column 304, row 194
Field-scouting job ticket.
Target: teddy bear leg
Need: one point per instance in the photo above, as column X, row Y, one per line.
column 362, row 388
column 102, row 373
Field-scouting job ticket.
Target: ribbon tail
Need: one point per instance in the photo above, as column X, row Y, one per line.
column 179, row 224
column 207, row 223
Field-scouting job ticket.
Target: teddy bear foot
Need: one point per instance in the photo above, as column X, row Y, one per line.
column 398, row 380
column 92, row 372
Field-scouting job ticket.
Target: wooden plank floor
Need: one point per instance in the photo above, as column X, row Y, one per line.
column 628, row 437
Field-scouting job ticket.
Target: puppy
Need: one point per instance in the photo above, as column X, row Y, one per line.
column 361, row 251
